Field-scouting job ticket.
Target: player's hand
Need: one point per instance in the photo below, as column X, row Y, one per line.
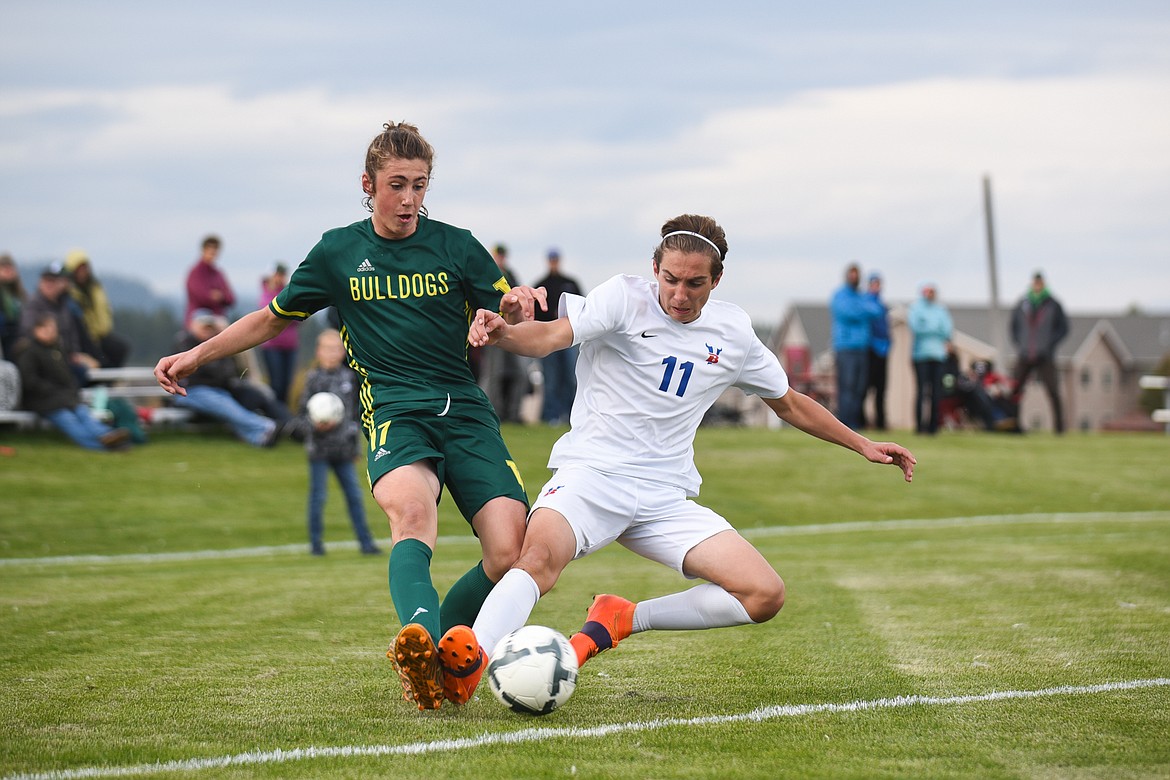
column 487, row 327
column 170, row 370
column 519, row 303
column 888, row 452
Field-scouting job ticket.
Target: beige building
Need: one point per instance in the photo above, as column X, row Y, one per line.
column 1099, row 363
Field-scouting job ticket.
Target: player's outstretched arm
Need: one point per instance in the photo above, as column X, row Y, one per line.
column 532, row 339
column 245, row 333
column 800, row 411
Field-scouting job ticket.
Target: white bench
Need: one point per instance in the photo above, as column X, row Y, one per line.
column 1162, row 383
column 20, row 418
column 133, row 383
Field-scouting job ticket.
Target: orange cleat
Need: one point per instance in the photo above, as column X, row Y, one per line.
column 417, row 660
column 608, row 621
column 463, row 663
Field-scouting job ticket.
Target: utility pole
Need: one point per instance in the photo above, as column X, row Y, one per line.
column 996, row 331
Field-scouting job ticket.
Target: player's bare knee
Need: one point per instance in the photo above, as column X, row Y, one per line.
column 537, row 561
column 766, row 602
column 409, row 518
column 498, row 560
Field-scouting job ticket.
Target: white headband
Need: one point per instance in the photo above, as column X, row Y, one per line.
column 718, row 251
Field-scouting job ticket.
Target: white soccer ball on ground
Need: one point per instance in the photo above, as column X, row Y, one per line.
column 325, row 409
column 533, row 670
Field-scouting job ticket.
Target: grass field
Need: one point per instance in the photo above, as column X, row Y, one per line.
column 1005, row 616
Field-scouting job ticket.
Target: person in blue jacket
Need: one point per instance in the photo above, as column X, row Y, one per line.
column 853, row 313
column 931, row 326
column 879, row 352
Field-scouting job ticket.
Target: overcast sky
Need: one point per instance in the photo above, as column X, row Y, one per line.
column 816, row 134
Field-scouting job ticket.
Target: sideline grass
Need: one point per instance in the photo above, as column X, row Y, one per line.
column 132, row 662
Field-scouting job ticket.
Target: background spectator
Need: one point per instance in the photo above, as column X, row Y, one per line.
column 1038, row 326
column 503, row 375
column 852, row 315
column 207, row 286
column 930, row 325
column 97, row 315
column 333, row 447
column 50, row 389
column 879, row 351
column 52, row 297
column 280, row 352
column 12, row 298
column 209, row 388
column 558, row 368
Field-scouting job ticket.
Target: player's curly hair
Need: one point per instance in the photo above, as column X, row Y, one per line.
column 398, row 140
column 694, row 223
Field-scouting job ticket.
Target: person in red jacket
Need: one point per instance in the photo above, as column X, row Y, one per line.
column 207, row 286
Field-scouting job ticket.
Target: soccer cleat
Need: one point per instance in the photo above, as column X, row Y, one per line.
column 463, row 663
column 417, row 660
column 608, row 621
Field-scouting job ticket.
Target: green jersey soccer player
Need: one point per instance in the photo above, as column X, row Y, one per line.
column 405, row 288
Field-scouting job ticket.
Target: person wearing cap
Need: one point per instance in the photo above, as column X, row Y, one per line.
column 12, row 300
column 879, row 351
column 52, row 297
column 558, row 369
column 207, row 285
column 1038, row 326
column 97, row 315
column 209, row 389
column 930, row 326
column 279, row 352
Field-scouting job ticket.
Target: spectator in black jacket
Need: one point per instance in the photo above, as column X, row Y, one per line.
column 50, row 389
column 1038, row 326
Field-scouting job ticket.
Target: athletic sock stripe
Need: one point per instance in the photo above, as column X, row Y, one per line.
column 598, row 634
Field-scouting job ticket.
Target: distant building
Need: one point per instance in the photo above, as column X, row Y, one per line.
column 1099, row 363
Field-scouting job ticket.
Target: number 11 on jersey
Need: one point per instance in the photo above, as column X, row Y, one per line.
column 685, row 369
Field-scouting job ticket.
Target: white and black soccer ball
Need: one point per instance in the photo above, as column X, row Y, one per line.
column 325, row 409
column 533, row 670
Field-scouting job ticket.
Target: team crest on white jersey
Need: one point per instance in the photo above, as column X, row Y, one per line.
column 365, row 266
column 713, row 354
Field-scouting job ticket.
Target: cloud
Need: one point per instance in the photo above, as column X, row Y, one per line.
column 889, row 173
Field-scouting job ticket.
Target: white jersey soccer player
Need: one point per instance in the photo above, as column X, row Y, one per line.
column 644, row 381
column 655, row 355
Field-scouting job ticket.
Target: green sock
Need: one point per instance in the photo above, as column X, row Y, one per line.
column 461, row 606
column 414, row 596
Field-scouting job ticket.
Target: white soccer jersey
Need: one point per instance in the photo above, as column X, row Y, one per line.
column 644, row 381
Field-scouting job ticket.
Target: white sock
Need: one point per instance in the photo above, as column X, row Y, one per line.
column 703, row 606
column 506, row 608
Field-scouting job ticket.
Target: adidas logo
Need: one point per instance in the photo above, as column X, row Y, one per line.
column 365, row 266
column 380, row 453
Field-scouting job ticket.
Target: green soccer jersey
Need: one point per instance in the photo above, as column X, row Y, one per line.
column 405, row 306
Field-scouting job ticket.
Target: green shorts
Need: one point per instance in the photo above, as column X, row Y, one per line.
column 465, row 446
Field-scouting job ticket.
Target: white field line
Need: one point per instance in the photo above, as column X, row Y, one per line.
column 777, row 530
column 529, row 735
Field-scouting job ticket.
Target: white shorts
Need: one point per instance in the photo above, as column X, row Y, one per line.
column 653, row 519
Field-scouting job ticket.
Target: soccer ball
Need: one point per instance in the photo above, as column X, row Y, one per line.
column 325, row 408
column 533, row 670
